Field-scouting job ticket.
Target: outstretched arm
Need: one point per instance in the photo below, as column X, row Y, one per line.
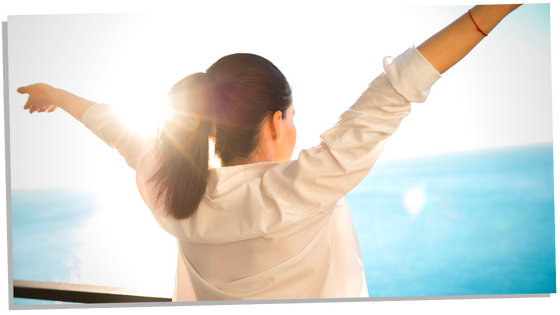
column 45, row 98
column 447, row 47
column 100, row 119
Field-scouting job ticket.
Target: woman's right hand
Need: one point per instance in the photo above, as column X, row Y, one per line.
column 448, row 46
column 510, row 6
column 41, row 98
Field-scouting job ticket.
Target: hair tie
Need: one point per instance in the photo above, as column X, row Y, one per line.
column 476, row 24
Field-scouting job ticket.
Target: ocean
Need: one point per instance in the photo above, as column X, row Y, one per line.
column 465, row 223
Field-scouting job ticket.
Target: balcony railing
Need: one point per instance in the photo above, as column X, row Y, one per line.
column 82, row 293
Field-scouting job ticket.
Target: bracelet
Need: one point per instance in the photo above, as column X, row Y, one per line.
column 476, row 24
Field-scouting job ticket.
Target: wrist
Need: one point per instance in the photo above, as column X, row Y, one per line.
column 55, row 95
column 488, row 16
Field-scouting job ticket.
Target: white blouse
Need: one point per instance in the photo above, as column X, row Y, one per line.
column 280, row 230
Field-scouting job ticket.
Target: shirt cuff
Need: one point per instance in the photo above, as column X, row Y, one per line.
column 411, row 75
column 96, row 117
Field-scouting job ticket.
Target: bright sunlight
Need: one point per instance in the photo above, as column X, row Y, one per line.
column 148, row 120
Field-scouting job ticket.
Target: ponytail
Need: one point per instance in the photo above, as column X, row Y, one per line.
column 182, row 150
column 228, row 104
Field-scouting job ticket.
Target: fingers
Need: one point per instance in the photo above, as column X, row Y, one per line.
column 48, row 109
column 33, row 108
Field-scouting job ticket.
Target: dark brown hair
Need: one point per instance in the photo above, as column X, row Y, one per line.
column 228, row 104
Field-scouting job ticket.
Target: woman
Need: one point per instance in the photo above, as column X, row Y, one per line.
column 261, row 226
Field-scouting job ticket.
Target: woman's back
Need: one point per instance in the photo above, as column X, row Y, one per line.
column 282, row 230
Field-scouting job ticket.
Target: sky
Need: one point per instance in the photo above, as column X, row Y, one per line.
column 499, row 95
column 328, row 52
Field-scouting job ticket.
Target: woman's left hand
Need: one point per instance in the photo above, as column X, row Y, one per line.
column 40, row 98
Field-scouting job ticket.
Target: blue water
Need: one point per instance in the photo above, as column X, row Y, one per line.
column 486, row 226
column 44, row 225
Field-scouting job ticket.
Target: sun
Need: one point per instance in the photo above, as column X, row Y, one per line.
column 149, row 119
column 146, row 119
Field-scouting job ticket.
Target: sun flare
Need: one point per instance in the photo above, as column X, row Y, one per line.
column 147, row 120
column 214, row 162
column 414, row 201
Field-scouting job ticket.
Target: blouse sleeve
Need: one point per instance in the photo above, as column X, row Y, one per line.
column 323, row 174
column 102, row 120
